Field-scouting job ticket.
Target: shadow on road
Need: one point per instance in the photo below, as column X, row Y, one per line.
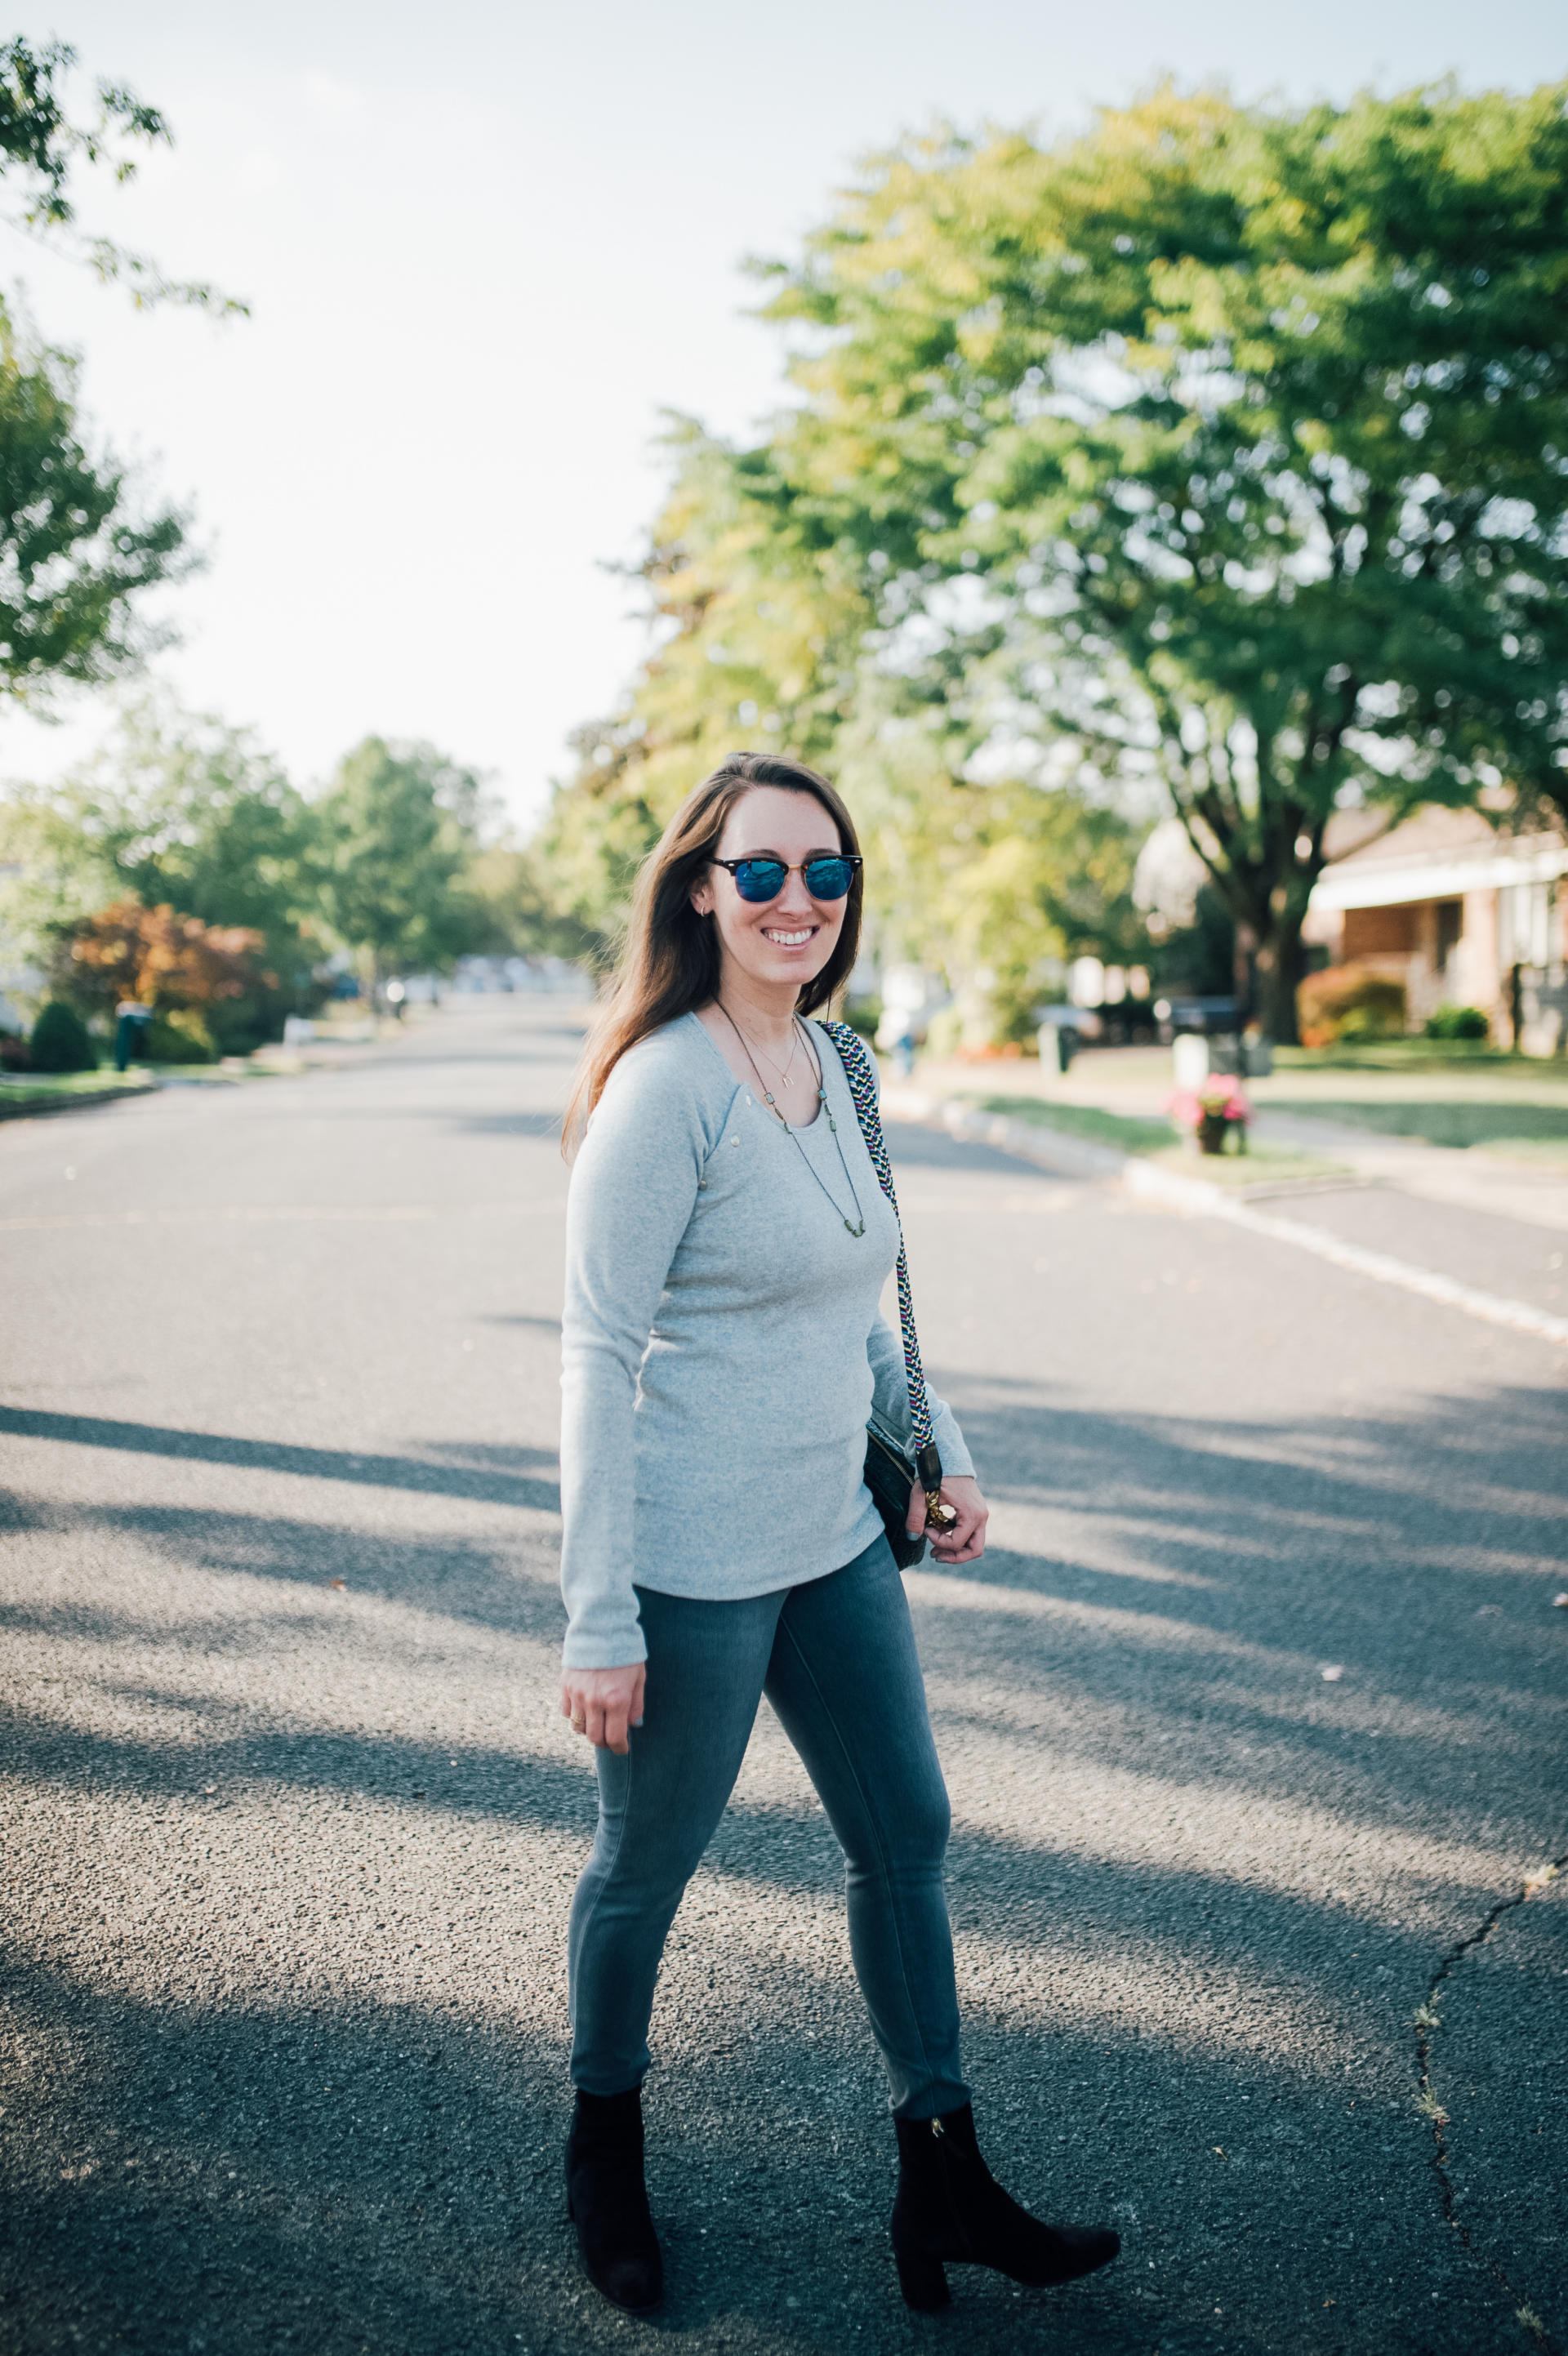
column 321, row 2171
column 491, row 1475
column 312, row 2174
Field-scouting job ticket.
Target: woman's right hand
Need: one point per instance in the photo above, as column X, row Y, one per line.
column 603, row 1703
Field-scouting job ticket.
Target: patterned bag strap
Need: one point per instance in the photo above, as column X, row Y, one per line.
column 862, row 1078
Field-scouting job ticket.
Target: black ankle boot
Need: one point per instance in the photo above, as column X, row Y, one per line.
column 609, row 2201
column 949, row 2207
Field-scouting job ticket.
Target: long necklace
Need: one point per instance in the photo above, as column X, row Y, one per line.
column 853, row 1228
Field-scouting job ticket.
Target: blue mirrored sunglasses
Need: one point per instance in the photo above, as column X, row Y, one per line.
column 826, row 877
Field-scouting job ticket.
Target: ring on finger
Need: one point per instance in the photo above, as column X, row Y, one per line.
column 579, row 1726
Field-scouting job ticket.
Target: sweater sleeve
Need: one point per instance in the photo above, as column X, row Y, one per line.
column 632, row 1194
column 890, row 1400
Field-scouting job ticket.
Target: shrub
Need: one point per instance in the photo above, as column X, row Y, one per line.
column 1458, row 1023
column 14, row 1055
column 157, row 956
column 181, row 1037
column 1349, row 1002
column 60, row 1042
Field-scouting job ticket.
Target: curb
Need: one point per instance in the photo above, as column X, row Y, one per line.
column 1066, row 1157
column 50, row 1106
column 1074, row 1157
column 262, row 1066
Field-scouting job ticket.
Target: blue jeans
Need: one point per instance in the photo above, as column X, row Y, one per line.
column 836, row 1658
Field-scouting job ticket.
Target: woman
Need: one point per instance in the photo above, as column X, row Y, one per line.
column 727, row 1245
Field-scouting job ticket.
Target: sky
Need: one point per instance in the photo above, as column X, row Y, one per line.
column 487, row 248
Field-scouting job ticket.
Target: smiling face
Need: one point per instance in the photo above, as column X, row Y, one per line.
column 774, row 949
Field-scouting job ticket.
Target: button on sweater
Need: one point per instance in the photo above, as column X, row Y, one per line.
column 722, row 1344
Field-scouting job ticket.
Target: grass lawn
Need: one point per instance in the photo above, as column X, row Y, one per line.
column 1410, row 1057
column 31, row 1092
column 1157, row 1141
column 1120, row 1131
column 1456, row 1122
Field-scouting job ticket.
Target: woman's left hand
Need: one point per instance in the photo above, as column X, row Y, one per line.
column 965, row 1542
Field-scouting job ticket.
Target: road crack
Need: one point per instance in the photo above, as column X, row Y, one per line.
column 1426, row 2020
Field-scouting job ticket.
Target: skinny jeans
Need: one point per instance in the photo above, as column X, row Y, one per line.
column 836, row 1659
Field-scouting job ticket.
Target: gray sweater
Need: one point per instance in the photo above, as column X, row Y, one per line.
column 722, row 1343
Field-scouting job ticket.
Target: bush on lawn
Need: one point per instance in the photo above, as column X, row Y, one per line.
column 1458, row 1023
column 14, row 1055
column 61, row 1041
column 1349, row 1002
column 181, row 1037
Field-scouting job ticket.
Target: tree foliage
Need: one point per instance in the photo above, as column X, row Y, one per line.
column 180, row 811
column 511, row 911
column 61, row 1041
column 399, row 864
column 764, row 635
column 169, row 962
column 400, row 827
column 196, row 812
column 1226, row 446
column 756, row 641
column 77, row 553
column 41, row 147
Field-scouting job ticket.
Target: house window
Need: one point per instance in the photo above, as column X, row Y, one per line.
column 1524, row 924
column 1378, row 932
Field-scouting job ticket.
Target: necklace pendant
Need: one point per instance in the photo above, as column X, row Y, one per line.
column 854, row 1229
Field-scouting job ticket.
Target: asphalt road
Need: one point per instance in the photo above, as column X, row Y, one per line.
column 289, row 1825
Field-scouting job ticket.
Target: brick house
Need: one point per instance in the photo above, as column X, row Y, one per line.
column 1460, row 912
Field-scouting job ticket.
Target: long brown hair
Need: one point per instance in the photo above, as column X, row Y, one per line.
column 669, row 965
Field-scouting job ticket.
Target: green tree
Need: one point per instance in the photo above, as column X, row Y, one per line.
column 78, row 553
column 180, row 811
column 400, row 826
column 1231, row 446
column 515, row 913
column 194, row 812
column 42, row 144
column 763, row 634
column 755, row 635
column 78, row 549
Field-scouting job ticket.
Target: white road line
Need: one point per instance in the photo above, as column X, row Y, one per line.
column 1069, row 1156
column 1493, row 1308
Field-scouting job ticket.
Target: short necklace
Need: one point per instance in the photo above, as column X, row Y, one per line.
column 784, row 1069
column 823, row 1100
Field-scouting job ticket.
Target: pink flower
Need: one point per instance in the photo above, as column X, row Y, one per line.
column 1220, row 1098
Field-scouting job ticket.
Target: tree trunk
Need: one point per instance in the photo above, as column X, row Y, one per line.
column 1282, row 963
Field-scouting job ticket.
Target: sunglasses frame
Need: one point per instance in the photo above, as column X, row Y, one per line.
column 850, row 859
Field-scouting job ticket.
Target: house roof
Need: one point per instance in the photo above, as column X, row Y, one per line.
column 1436, row 854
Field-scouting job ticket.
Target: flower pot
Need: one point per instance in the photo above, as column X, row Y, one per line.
column 1211, row 1133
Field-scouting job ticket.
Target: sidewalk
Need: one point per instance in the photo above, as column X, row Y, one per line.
column 1136, row 1083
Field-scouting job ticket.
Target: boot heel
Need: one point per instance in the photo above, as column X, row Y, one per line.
column 922, row 2281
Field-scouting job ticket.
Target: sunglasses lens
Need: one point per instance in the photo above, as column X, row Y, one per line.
column 760, row 879
column 828, row 879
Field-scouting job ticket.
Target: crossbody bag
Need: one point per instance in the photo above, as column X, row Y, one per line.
column 890, row 1471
